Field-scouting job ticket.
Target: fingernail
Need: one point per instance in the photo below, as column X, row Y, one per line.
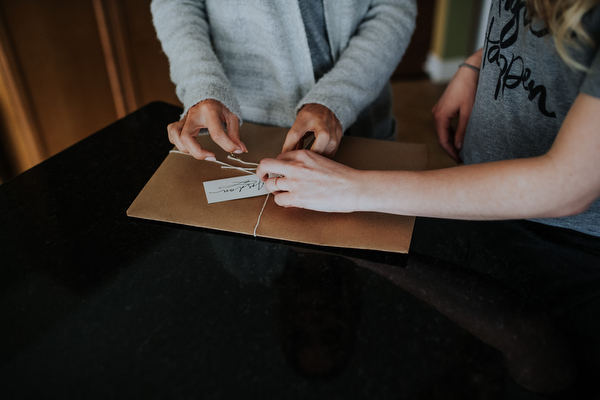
column 238, row 151
column 210, row 159
column 459, row 145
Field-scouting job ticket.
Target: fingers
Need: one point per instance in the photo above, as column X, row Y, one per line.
column 276, row 184
column 445, row 134
column 325, row 144
column 443, row 125
column 294, row 138
column 317, row 119
column 190, row 145
column 208, row 114
column 174, row 131
column 281, row 194
column 218, row 134
column 450, row 147
column 273, row 167
column 455, row 103
column 308, row 180
column 284, row 199
column 184, row 138
column 233, row 130
column 287, row 166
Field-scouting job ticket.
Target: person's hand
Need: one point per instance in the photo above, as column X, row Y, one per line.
column 210, row 114
column 318, row 120
column 309, row 180
column 456, row 102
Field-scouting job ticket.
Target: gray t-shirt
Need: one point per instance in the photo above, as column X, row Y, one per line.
column 524, row 93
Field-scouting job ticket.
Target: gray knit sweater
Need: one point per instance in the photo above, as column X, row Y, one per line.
column 253, row 55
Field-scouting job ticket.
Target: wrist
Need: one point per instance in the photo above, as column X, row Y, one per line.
column 364, row 192
column 469, row 66
column 475, row 59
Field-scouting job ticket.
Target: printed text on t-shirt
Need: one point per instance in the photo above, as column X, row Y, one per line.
column 513, row 73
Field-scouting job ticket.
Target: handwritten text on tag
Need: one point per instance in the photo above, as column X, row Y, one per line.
column 234, row 188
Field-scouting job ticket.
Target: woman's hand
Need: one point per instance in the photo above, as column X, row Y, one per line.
column 210, row 114
column 318, row 120
column 457, row 102
column 309, row 180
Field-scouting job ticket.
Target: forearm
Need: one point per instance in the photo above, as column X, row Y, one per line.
column 514, row 189
column 565, row 181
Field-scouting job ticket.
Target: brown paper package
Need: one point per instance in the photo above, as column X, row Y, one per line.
column 175, row 194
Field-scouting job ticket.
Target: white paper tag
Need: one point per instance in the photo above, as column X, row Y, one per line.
column 234, row 188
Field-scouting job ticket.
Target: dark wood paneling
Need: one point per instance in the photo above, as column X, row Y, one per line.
column 62, row 65
column 74, row 66
column 148, row 60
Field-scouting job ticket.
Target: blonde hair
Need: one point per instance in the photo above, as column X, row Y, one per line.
column 563, row 19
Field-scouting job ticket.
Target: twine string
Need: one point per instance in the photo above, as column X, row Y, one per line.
column 225, row 165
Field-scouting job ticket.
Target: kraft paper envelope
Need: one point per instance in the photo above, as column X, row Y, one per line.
column 175, row 194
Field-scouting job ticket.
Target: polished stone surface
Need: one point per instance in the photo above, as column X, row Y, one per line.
column 97, row 305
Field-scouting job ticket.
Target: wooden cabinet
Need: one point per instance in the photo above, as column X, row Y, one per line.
column 69, row 68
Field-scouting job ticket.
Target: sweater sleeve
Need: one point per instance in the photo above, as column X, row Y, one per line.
column 368, row 61
column 183, row 29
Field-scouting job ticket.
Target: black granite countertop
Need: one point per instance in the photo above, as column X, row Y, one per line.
column 96, row 305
